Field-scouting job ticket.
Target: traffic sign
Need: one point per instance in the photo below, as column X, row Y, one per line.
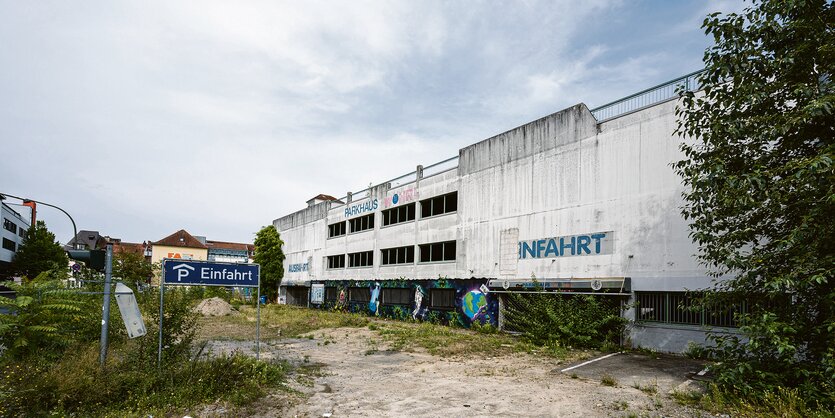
column 206, row 273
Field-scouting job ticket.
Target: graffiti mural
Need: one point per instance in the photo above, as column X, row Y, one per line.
column 444, row 301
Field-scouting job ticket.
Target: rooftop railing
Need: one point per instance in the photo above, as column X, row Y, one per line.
column 642, row 99
column 646, row 98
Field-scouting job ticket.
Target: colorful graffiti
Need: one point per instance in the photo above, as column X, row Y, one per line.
column 373, row 305
column 444, row 301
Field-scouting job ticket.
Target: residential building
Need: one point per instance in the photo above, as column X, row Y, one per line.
column 180, row 244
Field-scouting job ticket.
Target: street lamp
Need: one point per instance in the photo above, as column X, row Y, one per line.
column 93, row 259
column 24, row 200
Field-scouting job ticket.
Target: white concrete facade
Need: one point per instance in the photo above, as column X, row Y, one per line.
column 564, row 175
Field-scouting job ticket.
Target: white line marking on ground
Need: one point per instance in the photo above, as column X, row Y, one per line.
column 589, row 362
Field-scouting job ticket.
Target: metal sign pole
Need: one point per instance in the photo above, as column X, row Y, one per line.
column 108, row 270
column 161, row 299
column 177, row 272
column 258, row 321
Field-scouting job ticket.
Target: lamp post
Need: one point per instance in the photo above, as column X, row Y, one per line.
column 24, row 200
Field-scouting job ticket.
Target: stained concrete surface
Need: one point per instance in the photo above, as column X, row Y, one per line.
column 667, row 372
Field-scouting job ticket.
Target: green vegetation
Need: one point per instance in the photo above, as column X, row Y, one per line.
column 132, row 267
column 649, row 389
column 559, row 320
column 607, row 380
column 760, row 199
column 277, row 320
column 76, row 385
column 441, row 340
column 270, row 256
column 445, row 341
column 39, row 252
column 45, row 319
column 51, row 367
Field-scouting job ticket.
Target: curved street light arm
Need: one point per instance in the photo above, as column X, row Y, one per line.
column 74, row 230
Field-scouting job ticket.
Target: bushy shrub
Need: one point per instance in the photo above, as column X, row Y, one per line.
column 581, row 321
column 45, row 319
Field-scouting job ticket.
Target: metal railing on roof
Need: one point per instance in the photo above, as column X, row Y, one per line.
column 440, row 167
column 428, row 171
column 620, row 107
column 646, row 98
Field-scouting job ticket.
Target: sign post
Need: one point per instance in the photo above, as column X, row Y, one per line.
column 177, row 272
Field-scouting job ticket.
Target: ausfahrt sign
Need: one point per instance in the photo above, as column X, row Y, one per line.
column 206, row 273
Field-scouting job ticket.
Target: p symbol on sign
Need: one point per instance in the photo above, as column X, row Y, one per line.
column 183, row 271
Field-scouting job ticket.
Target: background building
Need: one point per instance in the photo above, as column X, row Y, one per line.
column 14, row 230
column 180, row 244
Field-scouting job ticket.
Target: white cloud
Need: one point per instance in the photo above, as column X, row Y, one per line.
column 217, row 116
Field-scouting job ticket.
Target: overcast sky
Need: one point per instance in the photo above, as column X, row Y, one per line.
column 142, row 118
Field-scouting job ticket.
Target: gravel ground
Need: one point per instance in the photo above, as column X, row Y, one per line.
column 349, row 372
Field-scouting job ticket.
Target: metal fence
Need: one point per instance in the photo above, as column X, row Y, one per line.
column 648, row 97
column 685, row 308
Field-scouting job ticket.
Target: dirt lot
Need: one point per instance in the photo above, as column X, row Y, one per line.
column 351, row 371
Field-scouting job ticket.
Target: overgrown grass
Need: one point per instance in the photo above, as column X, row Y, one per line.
column 444, row 341
column 649, row 389
column 77, row 386
column 783, row 402
column 55, row 371
column 276, row 321
column 607, row 380
column 282, row 321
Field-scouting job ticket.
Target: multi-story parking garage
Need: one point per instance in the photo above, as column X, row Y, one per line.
column 578, row 201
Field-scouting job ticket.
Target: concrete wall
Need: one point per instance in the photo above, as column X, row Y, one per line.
column 563, row 175
column 672, row 338
column 618, row 179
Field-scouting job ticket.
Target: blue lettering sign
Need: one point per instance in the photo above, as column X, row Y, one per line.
column 296, row 268
column 360, row 208
column 573, row 245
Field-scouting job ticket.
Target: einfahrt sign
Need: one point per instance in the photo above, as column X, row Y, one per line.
column 205, row 273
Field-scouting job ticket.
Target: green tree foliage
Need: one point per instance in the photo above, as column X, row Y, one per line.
column 132, row 267
column 39, row 252
column 760, row 195
column 270, row 256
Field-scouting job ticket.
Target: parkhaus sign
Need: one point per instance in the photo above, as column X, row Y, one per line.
column 597, row 243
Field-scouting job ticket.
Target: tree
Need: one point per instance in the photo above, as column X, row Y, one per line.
column 132, row 267
column 269, row 255
column 39, row 252
column 760, row 196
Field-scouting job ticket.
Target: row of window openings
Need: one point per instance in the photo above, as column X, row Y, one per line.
column 12, row 227
column 430, row 207
column 438, row 298
column 429, row 253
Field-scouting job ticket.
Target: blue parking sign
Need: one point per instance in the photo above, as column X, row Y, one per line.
column 206, row 273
